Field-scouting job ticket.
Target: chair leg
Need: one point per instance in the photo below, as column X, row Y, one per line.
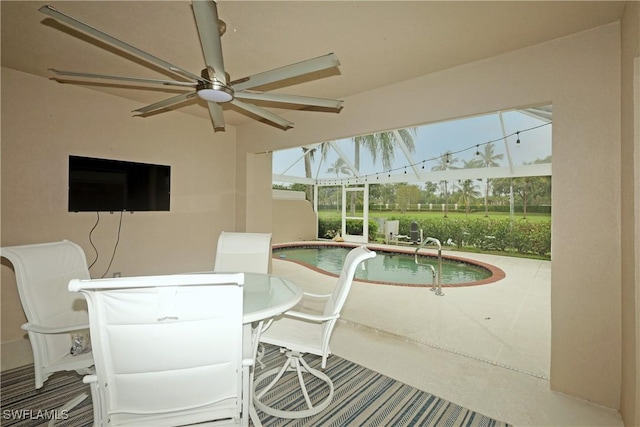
column 295, row 363
column 253, row 414
column 260, row 355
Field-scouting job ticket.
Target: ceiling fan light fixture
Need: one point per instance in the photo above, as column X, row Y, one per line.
column 216, row 92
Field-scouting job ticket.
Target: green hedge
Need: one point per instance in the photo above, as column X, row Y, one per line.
column 484, row 234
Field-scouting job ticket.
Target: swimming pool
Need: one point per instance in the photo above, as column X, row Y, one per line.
column 391, row 266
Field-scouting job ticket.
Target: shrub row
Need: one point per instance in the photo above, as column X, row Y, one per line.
column 484, row 234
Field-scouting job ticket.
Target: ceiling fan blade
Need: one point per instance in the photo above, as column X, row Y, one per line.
column 290, row 99
column 288, row 71
column 206, row 14
column 166, row 103
column 215, row 111
column 94, row 32
column 128, row 79
column 258, row 111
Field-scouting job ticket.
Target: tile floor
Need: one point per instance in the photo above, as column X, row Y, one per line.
column 484, row 347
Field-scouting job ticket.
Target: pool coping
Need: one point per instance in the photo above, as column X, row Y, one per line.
column 497, row 274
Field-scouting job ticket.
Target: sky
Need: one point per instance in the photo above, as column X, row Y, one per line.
column 461, row 137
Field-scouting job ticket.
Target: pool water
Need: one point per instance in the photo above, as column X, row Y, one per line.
column 386, row 267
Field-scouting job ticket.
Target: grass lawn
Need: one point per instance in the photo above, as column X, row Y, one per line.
column 533, row 217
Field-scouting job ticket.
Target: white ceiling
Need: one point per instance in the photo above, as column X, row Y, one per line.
column 377, row 42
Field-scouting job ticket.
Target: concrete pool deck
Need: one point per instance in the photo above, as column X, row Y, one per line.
column 485, row 347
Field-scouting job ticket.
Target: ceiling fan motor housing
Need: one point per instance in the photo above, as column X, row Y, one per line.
column 213, row 90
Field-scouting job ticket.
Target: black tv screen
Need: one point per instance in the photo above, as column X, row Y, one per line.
column 97, row 185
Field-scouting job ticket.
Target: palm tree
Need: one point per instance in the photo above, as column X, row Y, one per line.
column 445, row 162
column 339, row 167
column 468, row 193
column 309, row 154
column 383, row 144
column 489, row 160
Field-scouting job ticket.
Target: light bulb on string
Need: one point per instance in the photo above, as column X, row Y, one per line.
column 518, row 136
column 478, row 150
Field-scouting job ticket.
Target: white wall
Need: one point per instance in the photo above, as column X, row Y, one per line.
column 630, row 242
column 293, row 220
column 43, row 122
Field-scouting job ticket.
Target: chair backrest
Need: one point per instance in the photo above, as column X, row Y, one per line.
column 243, row 252
column 43, row 272
column 338, row 297
column 167, row 349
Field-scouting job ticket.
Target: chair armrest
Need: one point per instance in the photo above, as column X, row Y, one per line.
column 312, row 317
column 53, row 329
column 317, row 296
column 90, row 379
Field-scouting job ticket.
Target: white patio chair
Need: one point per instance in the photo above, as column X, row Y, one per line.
column 299, row 333
column 243, row 252
column 246, row 253
column 167, row 349
column 53, row 314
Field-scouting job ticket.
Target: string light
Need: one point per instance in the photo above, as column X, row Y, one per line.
column 446, row 156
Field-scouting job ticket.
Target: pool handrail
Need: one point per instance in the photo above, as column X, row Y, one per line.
column 436, row 242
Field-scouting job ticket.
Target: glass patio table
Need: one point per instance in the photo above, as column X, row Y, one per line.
column 265, row 296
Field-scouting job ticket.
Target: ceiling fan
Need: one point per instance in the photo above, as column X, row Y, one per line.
column 213, row 84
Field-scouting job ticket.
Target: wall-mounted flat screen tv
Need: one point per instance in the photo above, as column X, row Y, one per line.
column 99, row 185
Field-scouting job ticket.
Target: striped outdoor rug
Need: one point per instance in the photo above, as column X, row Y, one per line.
column 361, row 398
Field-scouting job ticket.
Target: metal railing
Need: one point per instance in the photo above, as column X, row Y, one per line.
column 437, row 289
